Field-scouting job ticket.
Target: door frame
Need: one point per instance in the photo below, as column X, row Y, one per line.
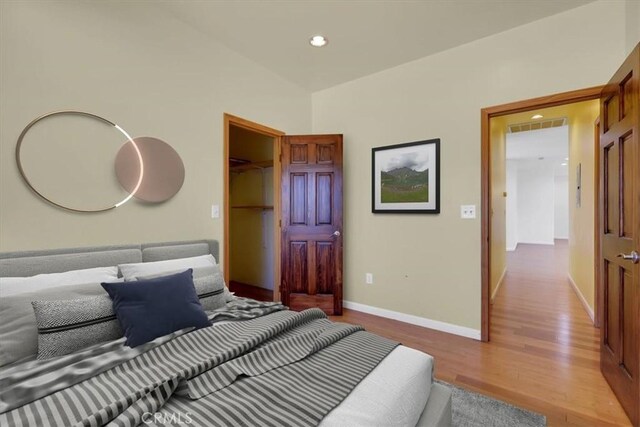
column 231, row 120
column 485, row 159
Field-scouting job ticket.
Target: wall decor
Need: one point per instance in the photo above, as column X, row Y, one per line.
column 138, row 158
column 405, row 178
column 146, row 168
column 163, row 169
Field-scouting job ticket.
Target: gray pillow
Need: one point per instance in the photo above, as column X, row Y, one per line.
column 18, row 329
column 211, row 292
column 65, row 326
column 209, row 284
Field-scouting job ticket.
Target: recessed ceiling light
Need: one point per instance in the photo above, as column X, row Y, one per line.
column 537, row 116
column 566, row 158
column 318, row 41
column 563, row 164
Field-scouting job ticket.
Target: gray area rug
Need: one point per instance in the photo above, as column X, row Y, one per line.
column 473, row 409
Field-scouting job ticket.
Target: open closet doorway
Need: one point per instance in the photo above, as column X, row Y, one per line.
column 252, row 209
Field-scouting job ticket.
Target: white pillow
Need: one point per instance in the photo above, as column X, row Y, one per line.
column 20, row 285
column 140, row 269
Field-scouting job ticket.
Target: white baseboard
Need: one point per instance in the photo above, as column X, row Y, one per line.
column 495, row 292
column 450, row 328
column 584, row 302
column 539, row 242
column 513, row 248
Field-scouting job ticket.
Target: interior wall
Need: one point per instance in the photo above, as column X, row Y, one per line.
column 498, row 236
column 441, row 96
column 632, row 15
column 151, row 74
column 581, row 231
column 539, row 212
column 536, row 189
column 251, row 230
column 561, row 207
column 512, row 205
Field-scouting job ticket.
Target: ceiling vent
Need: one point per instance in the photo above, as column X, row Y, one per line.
column 538, row 124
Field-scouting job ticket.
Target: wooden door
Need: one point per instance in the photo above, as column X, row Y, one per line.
column 312, row 222
column 620, row 234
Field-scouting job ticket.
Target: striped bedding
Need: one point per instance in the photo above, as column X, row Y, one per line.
column 281, row 368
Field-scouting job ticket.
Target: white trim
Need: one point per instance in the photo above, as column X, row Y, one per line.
column 584, row 302
column 513, row 248
column 539, row 242
column 493, row 296
column 450, row 328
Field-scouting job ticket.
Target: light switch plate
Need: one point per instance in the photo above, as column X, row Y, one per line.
column 467, row 211
column 215, row 211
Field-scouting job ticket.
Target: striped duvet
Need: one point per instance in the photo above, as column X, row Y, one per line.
column 283, row 368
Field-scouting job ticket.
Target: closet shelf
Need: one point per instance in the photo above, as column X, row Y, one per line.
column 256, row 207
column 236, row 166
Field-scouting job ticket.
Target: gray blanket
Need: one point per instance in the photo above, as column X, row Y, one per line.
column 284, row 368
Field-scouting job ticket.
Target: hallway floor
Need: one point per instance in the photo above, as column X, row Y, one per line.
column 544, row 350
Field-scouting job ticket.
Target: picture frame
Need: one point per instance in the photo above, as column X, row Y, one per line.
column 405, row 178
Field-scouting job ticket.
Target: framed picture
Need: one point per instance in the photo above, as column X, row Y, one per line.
column 406, row 178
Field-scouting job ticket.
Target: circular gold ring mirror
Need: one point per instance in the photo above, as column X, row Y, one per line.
column 68, row 162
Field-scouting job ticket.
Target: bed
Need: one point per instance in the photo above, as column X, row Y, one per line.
column 376, row 382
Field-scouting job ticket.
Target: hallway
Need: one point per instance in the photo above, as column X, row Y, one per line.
column 544, row 351
column 538, row 313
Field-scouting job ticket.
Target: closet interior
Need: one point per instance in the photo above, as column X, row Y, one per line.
column 251, row 214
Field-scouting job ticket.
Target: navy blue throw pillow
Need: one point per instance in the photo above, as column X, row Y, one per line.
column 148, row 309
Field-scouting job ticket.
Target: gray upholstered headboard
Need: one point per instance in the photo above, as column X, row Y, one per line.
column 29, row 263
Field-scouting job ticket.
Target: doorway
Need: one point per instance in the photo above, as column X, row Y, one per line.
column 494, row 203
column 283, row 215
column 252, row 208
column 617, row 236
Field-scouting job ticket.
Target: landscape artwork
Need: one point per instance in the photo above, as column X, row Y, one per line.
column 405, row 177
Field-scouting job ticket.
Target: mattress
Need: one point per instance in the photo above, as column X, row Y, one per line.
column 393, row 394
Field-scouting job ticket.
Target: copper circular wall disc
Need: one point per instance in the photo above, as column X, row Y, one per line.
column 163, row 170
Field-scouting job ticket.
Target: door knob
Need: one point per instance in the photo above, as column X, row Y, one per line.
column 337, row 234
column 633, row 257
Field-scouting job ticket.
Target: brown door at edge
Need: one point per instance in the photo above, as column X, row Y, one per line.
column 620, row 234
column 312, row 222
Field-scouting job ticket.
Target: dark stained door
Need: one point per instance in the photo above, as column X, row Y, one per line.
column 312, row 222
column 620, row 234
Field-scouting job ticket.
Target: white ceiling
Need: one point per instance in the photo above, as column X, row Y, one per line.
column 365, row 36
column 552, row 143
column 544, row 148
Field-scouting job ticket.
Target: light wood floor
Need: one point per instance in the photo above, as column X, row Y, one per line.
column 544, row 350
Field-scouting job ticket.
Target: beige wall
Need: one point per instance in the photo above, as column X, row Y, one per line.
column 632, row 24
column 151, row 74
column 581, row 219
column 498, row 129
column 429, row 265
